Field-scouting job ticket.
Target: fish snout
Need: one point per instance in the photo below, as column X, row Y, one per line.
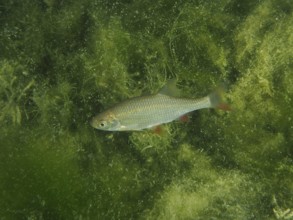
column 93, row 122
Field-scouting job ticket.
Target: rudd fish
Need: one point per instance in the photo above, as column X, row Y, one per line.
column 152, row 110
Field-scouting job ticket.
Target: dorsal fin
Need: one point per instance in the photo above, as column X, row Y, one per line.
column 170, row 88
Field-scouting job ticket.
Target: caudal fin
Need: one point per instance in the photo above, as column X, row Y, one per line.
column 217, row 101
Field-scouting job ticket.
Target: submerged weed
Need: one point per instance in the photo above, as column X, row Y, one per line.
column 14, row 87
column 66, row 61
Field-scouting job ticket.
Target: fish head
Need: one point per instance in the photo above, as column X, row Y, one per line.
column 105, row 121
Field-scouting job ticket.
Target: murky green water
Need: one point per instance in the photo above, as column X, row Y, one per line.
column 64, row 61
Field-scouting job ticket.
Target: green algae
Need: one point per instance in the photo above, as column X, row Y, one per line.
column 202, row 193
column 15, row 86
column 61, row 63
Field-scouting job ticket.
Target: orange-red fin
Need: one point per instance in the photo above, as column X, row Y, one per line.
column 158, row 130
column 184, row 118
column 217, row 101
column 224, row 107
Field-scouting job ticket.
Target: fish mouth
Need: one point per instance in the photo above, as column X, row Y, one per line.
column 92, row 122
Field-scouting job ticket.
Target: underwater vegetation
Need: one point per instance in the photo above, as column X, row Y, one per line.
column 61, row 62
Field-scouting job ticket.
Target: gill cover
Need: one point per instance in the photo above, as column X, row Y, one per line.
column 103, row 122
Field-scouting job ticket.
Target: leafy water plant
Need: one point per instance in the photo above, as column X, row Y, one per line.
column 64, row 61
column 15, row 84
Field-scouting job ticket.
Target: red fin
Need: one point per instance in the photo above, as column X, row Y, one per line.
column 158, row 130
column 184, row 118
column 224, row 107
column 216, row 100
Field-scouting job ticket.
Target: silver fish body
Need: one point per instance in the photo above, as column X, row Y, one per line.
column 149, row 111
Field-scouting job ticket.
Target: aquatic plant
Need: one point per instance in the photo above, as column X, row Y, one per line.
column 205, row 192
column 62, row 62
column 15, row 83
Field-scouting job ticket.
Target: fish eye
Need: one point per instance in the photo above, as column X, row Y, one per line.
column 103, row 124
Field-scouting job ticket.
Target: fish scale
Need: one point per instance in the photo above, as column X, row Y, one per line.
column 149, row 111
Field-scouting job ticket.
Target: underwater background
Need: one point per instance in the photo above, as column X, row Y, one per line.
column 61, row 62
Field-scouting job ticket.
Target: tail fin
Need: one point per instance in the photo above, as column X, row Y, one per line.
column 216, row 100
